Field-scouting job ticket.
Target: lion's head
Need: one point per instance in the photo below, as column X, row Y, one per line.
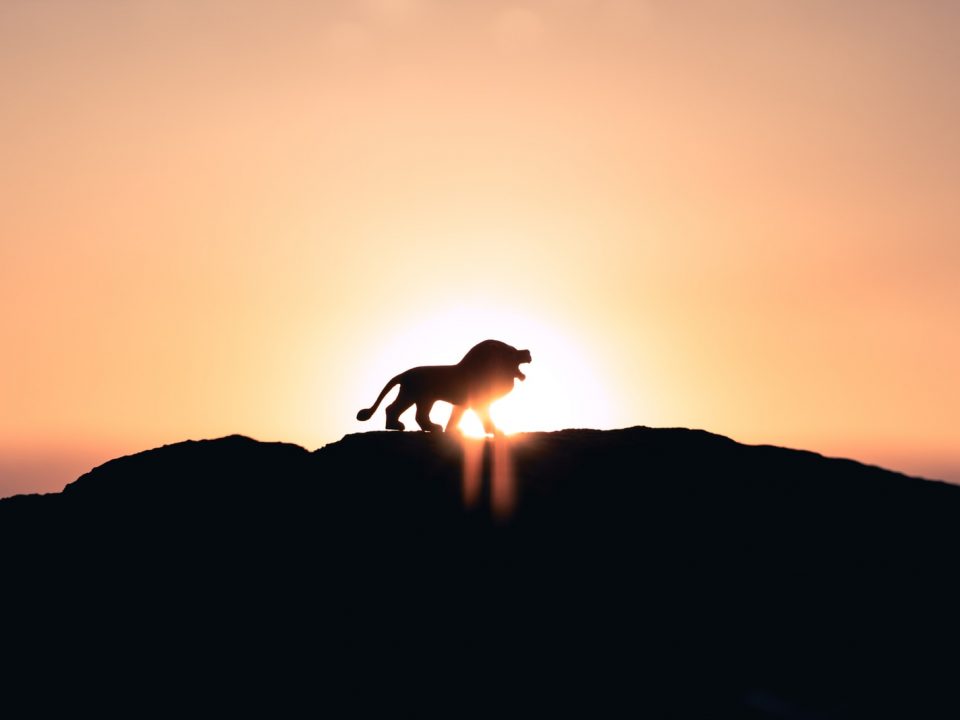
column 497, row 359
column 523, row 357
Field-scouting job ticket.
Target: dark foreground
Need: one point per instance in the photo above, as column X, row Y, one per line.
column 653, row 573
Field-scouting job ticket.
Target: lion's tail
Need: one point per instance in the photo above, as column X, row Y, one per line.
column 368, row 412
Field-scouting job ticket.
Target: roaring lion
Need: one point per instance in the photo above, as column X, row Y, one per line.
column 485, row 374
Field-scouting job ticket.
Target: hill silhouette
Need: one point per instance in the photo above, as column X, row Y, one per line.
column 656, row 572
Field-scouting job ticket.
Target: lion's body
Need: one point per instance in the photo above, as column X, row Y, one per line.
column 485, row 374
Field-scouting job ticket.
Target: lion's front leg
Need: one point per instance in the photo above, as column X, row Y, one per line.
column 483, row 412
column 455, row 417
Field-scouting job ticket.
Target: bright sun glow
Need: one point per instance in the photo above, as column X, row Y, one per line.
column 561, row 389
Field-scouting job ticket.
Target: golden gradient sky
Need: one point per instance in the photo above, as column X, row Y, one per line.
column 233, row 216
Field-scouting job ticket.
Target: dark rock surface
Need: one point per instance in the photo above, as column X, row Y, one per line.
column 641, row 572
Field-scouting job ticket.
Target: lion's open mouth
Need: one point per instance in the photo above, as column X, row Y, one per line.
column 521, row 375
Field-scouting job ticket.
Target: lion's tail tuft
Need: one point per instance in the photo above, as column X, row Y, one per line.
column 367, row 413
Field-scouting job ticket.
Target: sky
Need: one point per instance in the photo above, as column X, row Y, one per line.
column 229, row 216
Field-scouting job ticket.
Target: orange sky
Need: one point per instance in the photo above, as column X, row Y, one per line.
column 232, row 216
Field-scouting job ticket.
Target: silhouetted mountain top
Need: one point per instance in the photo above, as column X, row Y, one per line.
column 231, row 462
column 638, row 571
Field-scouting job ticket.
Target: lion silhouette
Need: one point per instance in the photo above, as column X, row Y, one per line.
column 485, row 374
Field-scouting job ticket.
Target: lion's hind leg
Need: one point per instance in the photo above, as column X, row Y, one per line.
column 397, row 408
column 423, row 417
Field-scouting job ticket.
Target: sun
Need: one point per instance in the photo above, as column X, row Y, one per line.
column 562, row 388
